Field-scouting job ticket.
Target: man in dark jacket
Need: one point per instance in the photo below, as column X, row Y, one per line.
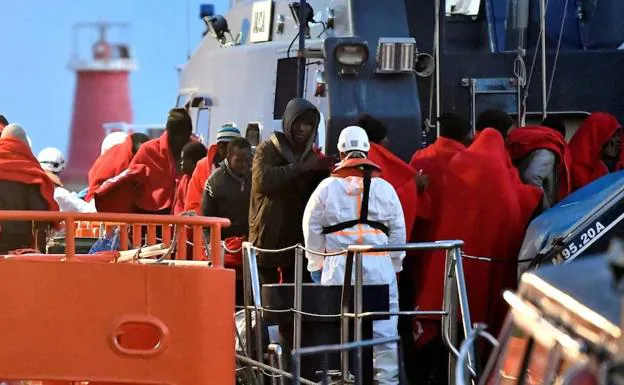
column 227, row 190
column 226, row 195
column 285, row 172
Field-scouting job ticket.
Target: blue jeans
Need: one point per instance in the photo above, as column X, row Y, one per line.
column 316, row 275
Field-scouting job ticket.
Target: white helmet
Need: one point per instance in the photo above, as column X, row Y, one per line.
column 112, row 139
column 51, row 159
column 353, row 138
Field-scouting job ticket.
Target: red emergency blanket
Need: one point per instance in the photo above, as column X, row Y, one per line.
column 18, row 164
column 402, row 177
column 586, row 147
column 195, row 189
column 523, row 141
column 180, row 198
column 487, row 206
column 148, row 185
column 112, row 163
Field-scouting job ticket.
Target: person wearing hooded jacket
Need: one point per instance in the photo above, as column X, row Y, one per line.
column 285, row 171
column 330, row 224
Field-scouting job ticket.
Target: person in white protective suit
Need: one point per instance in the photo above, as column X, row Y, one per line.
column 52, row 162
column 340, row 214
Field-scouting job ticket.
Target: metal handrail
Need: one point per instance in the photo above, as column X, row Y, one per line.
column 461, row 376
column 454, row 271
column 454, row 294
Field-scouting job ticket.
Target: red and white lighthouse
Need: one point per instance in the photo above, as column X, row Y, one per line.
column 102, row 95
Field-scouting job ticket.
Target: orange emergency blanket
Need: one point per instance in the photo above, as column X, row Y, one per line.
column 18, row 164
column 148, row 185
column 586, row 146
column 195, row 190
column 402, row 177
column 487, row 206
column 112, row 163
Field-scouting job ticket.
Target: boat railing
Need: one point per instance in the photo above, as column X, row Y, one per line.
column 138, row 231
column 455, row 297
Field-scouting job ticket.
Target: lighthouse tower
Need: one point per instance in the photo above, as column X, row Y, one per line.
column 102, row 95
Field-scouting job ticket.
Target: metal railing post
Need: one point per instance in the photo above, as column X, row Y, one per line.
column 357, row 310
column 255, row 288
column 449, row 321
column 463, row 302
column 344, row 320
column 247, row 296
column 298, row 297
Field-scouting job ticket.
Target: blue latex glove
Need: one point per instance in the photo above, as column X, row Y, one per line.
column 316, row 275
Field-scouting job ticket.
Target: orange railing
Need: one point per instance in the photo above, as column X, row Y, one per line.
column 70, row 317
column 136, row 222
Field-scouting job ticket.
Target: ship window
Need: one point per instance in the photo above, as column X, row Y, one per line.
column 182, row 100
column 202, row 125
column 285, row 85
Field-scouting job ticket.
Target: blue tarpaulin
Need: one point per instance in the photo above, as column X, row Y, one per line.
column 577, row 210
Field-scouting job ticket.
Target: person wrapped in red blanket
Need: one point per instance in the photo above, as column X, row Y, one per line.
column 488, row 207
column 205, row 167
column 192, row 153
column 24, row 185
column 149, row 183
column 541, row 155
column 399, row 174
column 113, row 162
column 596, row 149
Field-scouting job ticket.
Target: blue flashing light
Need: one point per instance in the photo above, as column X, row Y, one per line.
column 206, row 10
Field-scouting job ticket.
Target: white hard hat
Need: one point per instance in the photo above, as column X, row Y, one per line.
column 353, row 138
column 113, row 139
column 51, row 159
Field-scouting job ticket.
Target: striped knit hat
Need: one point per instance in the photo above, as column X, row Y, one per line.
column 227, row 133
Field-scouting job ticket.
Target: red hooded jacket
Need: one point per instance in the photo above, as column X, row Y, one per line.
column 402, row 177
column 195, row 190
column 18, row 164
column 523, row 141
column 586, row 147
column 487, row 206
column 148, row 185
column 110, row 164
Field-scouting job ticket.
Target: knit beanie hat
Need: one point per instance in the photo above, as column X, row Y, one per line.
column 227, row 133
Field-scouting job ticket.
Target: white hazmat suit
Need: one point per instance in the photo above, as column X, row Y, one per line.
column 338, row 199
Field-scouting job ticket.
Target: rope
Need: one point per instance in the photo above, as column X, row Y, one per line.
column 528, row 84
column 554, row 68
column 494, row 260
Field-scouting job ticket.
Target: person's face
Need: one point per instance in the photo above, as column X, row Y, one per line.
column 239, row 161
column 177, row 141
column 187, row 165
column 612, row 148
column 302, row 128
column 222, row 148
column 137, row 144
